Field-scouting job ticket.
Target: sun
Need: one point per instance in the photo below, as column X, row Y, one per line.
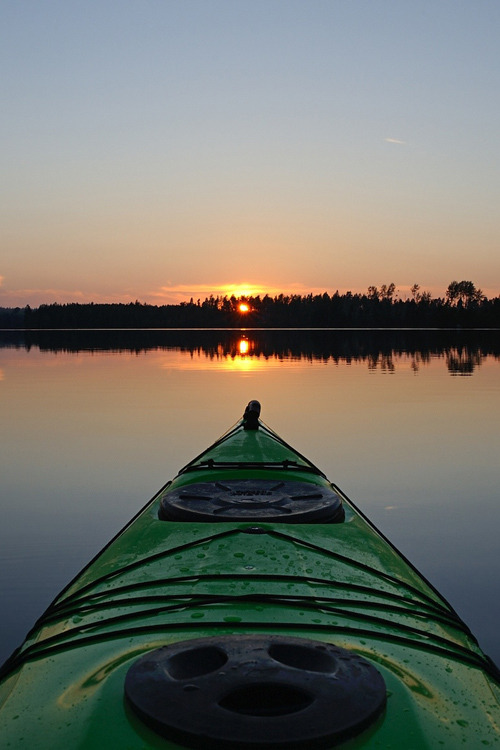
column 243, row 307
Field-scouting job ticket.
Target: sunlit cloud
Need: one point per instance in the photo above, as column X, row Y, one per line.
column 175, row 293
column 395, row 140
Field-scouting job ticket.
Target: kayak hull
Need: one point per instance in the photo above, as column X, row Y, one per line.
column 275, row 611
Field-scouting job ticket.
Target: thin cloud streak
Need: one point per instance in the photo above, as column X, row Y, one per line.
column 36, row 297
column 395, row 140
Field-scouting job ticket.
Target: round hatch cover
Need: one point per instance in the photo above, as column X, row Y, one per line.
column 253, row 500
column 258, row 691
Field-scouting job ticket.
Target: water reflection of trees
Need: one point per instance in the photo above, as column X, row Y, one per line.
column 462, row 351
column 384, row 362
column 462, row 361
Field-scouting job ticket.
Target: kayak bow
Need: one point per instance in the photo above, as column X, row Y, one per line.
column 250, row 604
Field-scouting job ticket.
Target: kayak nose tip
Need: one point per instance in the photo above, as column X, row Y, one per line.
column 251, row 416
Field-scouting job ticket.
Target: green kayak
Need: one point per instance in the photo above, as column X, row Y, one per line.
column 250, row 604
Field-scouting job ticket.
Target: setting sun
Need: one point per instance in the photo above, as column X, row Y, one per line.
column 243, row 307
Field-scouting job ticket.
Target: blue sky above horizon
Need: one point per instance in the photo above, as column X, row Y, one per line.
column 166, row 149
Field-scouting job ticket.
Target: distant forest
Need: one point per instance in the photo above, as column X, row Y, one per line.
column 463, row 306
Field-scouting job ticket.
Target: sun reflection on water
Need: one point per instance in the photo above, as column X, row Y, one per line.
column 241, row 355
column 244, row 358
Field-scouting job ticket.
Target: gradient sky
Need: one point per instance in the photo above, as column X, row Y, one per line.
column 166, row 149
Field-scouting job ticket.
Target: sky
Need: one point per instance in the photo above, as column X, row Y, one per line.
column 158, row 150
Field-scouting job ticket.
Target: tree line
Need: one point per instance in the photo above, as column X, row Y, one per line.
column 464, row 305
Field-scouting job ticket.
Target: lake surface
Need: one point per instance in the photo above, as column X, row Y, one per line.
column 94, row 422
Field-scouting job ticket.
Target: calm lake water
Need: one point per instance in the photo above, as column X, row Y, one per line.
column 406, row 422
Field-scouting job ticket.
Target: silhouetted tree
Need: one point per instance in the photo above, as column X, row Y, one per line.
column 463, row 292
